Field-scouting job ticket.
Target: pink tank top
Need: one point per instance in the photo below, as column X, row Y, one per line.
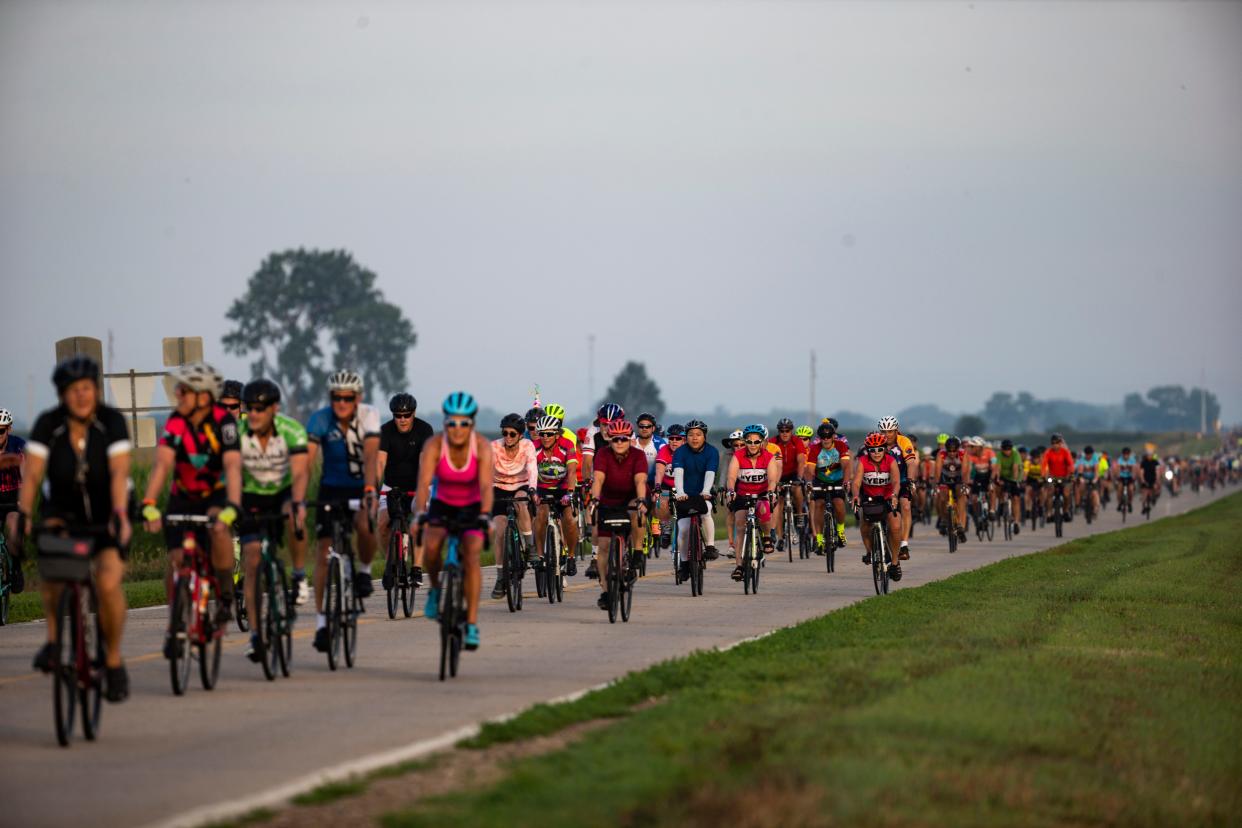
column 454, row 486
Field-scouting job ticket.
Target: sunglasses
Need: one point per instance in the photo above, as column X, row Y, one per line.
column 458, row 423
column 403, row 415
column 753, row 442
column 880, row 449
column 232, row 406
column 785, row 430
column 508, row 432
column 677, row 439
column 620, row 439
column 4, row 431
column 345, row 398
column 646, row 425
column 549, row 434
column 256, row 408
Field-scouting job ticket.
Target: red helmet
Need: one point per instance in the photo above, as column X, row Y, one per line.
column 620, row 428
column 875, row 440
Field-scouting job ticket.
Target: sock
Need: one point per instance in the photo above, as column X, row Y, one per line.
column 529, row 540
column 299, row 572
column 321, row 620
column 225, row 576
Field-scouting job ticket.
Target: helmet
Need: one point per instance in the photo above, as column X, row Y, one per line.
column 232, row 389
column 534, row 414
column 804, row 431
column 942, row 438
column 887, row 424
column 1057, row 437
column 659, row 430
column 609, row 412
column 548, row 423
column 736, row 434
column 260, row 392
column 73, row 369
column 5, row 417
column 675, row 430
column 832, row 421
column 927, row 451
column 650, row 418
column 554, row 410
column 1125, row 449
column 514, row 421
column 875, row 440
column 765, row 430
column 952, row 444
column 198, row 376
column 460, row 402
column 402, row 402
column 699, row 424
column 784, row 422
column 620, row 428
column 345, row 381
column 825, row 431
column 1006, row 444
column 1088, row 450
column 1023, row 449
column 755, row 428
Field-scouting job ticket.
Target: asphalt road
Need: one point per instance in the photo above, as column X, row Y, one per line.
column 160, row 756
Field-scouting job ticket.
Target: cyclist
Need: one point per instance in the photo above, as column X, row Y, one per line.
column 12, row 455
column 751, row 480
column 805, row 433
column 515, row 473
column 1034, row 477
column 1009, row 481
column 200, row 448
column 827, row 469
column 927, row 474
column 82, row 448
column 532, row 424
column 275, row 472
column 618, row 490
column 981, row 464
column 696, row 463
column 1123, row 474
column 347, row 433
column 558, row 411
column 650, row 443
column 662, row 482
column 951, row 474
column 231, row 398
column 877, row 480
column 595, row 440
column 1087, row 471
column 458, row 467
column 1057, row 466
column 907, row 457
column 793, row 458
column 557, row 464
column 1151, row 472
column 396, row 464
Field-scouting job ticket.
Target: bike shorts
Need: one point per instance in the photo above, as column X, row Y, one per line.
column 552, row 499
column 980, row 485
column 791, row 477
column 501, row 499
column 1011, row 487
column 325, row 519
column 693, row 505
column 906, row 491
column 251, row 529
column 604, row 512
column 396, row 501
column 1035, row 482
column 181, row 505
column 463, row 520
column 826, row 492
column 763, row 509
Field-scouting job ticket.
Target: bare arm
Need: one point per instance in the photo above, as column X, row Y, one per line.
column 299, row 470
column 426, row 473
column 487, row 474
column 370, row 452
column 381, row 465
column 32, row 479
column 731, row 476
column 232, row 462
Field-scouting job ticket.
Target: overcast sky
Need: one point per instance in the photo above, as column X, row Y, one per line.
column 942, row 199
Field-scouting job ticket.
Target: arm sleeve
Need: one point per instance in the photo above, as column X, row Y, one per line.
column 118, row 434
column 679, row 479
column 370, row 422
column 708, row 479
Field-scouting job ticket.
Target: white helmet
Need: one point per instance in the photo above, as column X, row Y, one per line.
column 345, row 381
column 5, row 417
column 548, row 423
column 978, row 442
column 736, row 434
column 198, row 376
column 887, row 424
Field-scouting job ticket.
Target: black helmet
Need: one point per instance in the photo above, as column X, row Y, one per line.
column 1125, row 449
column 76, row 367
column 1006, row 444
column 825, row 431
column 784, row 422
column 260, row 392
column 699, row 424
column 514, row 421
column 1088, row 450
column 532, row 415
column 650, row 418
column 231, row 389
column 832, row 421
column 952, row 444
column 675, row 430
column 402, row 402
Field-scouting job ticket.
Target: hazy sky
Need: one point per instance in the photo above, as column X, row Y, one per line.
column 942, row 199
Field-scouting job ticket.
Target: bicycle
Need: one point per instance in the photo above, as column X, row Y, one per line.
column 239, row 587
column 752, row 554
column 550, row 570
column 619, row 585
column 787, row 518
column 512, row 561
column 881, row 552
column 583, row 548
column 1125, row 498
column 695, row 508
column 1058, row 505
column 451, row 611
column 78, row 669
column 341, row 606
column 832, row 540
column 194, row 630
column 979, row 514
column 951, row 509
column 1088, row 507
column 7, row 565
column 274, row 611
column 1002, row 514
column 399, row 584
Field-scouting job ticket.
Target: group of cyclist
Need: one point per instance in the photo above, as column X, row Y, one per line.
column 228, row 453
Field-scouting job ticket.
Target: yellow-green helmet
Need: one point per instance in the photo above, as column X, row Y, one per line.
column 804, row 431
column 554, row 410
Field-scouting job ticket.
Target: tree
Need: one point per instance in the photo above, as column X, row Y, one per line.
column 635, row 391
column 301, row 302
column 968, row 424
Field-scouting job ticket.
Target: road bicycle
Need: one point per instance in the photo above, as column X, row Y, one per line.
column 787, row 528
column 951, row 510
column 275, row 614
column 832, row 538
column 622, row 567
column 399, row 584
column 1088, row 505
column 583, row 549
column 752, row 553
column 195, row 630
column 550, row 572
column 239, row 587
column 1058, row 505
column 880, row 557
column 1002, row 512
column 512, row 563
column 451, row 610
column 1125, row 497
column 694, row 508
column 78, row 666
column 7, row 566
column 984, row 525
column 341, row 605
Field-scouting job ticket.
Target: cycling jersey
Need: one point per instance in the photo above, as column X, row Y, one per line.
column 789, row 451
column 342, row 445
column 619, row 486
column 1149, row 467
column 695, row 466
column 198, row 470
column 752, row 474
column 514, row 472
column 1058, row 462
column 981, row 463
column 665, row 456
column 827, row 458
column 903, row 452
column 951, row 464
column 1010, row 465
column 553, row 465
column 404, row 449
column 1033, row 470
column 265, row 469
column 1125, row 466
column 877, row 477
column 78, row 488
column 11, row 477
column 651, row 451
column 1088, row 467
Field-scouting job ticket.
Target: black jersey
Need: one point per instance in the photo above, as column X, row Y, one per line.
column 79, row 486
column 404, row 450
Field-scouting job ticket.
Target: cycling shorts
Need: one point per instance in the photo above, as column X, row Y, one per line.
column 552, row 499
column 603, row 513
column 874, row 508
column 325, row 519
column 980, row 485
column 906, row 491
column 396, row 501
column 502, row 497
column 743, row 502
column 463, row 520
column 1011, row 487
column 825, row 492
column 181, row 505
column 252, row 529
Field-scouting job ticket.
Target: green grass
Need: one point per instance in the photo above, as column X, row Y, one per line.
column 331, row 791
column 1096, row 682
column 28, row 606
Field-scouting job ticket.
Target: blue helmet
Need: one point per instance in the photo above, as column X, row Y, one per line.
column 460, row 403
column 755, row 428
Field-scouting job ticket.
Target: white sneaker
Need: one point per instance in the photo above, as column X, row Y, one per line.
column 303, row 593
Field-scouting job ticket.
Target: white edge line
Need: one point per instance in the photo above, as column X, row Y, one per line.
column 365, row 764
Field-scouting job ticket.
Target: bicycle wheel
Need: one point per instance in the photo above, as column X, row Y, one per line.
column 406, row 580
column 1059, row 517
column 614, row 580
column 513, row 563
column 952, row 533
column 265, row 612
column 332, row 610
column 787, row 527
column 283, row 644
column 5, row 569
column 694, row 554
column 551, row 561
column 989, row 526
column 64, row 673
column 448, row 617
column 558, row 572
column 239, row 604
column 830, row 538
column 1007, row 524
column 627, row 588
column 179, row 627
column 393, row 589
column 90, row 694
column 209, row 649
column 349, row 619
column 748, row 557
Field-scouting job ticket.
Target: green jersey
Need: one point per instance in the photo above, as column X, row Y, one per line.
column 1010, row 466
column 265, row 469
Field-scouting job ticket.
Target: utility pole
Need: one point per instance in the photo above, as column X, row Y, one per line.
column 590, row 371
column 810, row 415
column 1202, row 399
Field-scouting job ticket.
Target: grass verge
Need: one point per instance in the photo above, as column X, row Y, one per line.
column 1094, row 682
column 29, row 606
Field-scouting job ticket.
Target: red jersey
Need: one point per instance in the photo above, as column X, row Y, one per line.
column 665, row 456
column 752, row 474
column 198, row 470
column 877, row 478
column 553, row 464
column 790, row 449
column 951, row 466
column 1058, row 462
column 619, row 472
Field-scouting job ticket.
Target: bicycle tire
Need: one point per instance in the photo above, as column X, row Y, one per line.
column 559, row 573
column 551, row 561
column 393, row 591
column 6, row 565
column 210, row 649
column 332, row 610
column 952, row 537
column 64, row 674
column 513, row 565
column 351, row 604
column 179, row 626
column 448, row 616
column 284, row 644
column 989, row 529
column 1059, row 518
column 614, row 581
column 627, row 588
column 407, row 585
column 787, row 527
column 694, row 556
column 90, row 695
column 877, row 560
column 239, row 604
column 265, row 616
